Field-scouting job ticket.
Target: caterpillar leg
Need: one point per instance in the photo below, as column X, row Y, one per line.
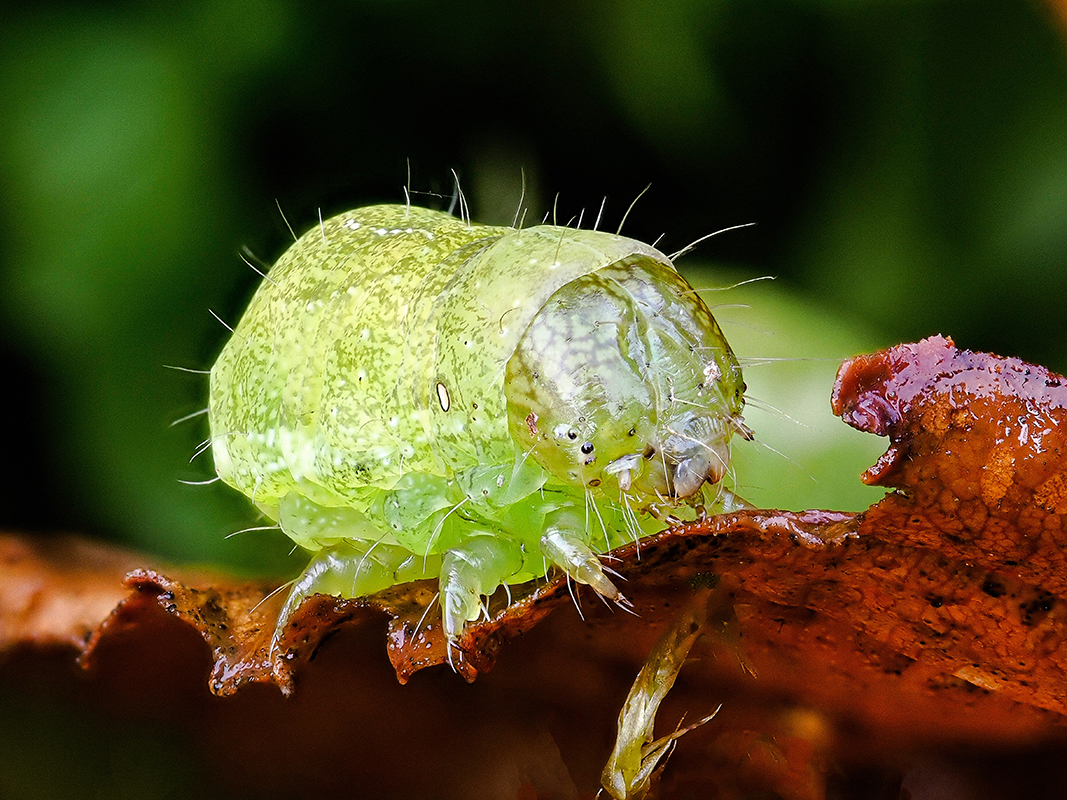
column 474, row 568
column 354, row 570
column 565, row 544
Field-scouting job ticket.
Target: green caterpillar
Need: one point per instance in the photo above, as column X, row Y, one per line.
column 410, row 395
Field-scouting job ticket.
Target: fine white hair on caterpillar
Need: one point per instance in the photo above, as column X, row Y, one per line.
column 411, row 395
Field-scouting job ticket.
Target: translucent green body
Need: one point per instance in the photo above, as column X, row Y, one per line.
column 413, row 396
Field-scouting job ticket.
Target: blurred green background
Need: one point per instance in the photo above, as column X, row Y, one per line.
column 905, row 163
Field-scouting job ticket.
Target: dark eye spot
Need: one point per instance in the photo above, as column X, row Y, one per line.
column 587, row 448
column 632, row 432
column 595, row 482
column 572, row 434
column 650, row 451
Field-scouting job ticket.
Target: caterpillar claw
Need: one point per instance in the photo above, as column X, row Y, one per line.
column 468, row 572
column 459, row 604
column 569, row 551
column 348, row 569
column 625, row 604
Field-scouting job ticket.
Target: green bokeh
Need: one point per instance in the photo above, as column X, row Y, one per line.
column 802, row 456
column 905, row 163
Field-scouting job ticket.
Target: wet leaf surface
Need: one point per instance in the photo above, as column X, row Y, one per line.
column 978, row 446
column 923, row 639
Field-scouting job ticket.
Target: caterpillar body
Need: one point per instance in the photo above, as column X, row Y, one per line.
column 413, row 396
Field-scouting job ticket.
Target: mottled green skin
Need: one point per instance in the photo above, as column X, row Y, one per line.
column 391, row 399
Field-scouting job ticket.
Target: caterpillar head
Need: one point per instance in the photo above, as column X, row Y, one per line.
column 624, row 384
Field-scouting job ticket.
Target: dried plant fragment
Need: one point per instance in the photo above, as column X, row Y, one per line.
column 636, row 757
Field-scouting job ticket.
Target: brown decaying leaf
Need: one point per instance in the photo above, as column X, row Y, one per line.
column 978, row 450
column 932, row 619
